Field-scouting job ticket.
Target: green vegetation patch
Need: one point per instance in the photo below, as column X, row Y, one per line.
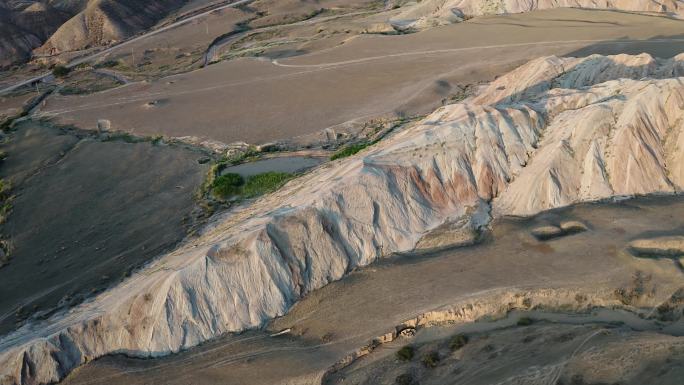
column 265, row 183
column 233, row 185
column 350, row 150
column 525, row 321
column 406, row 353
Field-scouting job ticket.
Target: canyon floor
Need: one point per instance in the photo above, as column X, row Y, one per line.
column 437, row 198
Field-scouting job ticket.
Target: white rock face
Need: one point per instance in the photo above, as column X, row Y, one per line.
column 553, row 132
column 436, row 12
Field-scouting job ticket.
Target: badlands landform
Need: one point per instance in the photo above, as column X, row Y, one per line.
column 452, row 192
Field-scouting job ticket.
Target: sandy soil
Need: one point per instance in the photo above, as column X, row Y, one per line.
column 259, row 101
column 347, row 314
column 86, row 212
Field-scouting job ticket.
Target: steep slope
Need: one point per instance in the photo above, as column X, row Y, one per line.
column 560, row 129
column 24, row 26
column 54, row 26
column 106, row 21
column 435, row 12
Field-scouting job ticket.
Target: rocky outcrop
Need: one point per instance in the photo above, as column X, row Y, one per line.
column 554, row 132
column 428, row 13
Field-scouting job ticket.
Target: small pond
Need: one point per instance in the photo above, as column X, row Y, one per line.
column 290, row 164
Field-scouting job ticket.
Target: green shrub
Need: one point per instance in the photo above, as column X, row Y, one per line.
column 405, row 353
column 60, row 71
column 264, row 183
column 350, row 150
column 525, row 321
column 457, row 342
column 108, row 63
column 430, row 360
column 227, row 185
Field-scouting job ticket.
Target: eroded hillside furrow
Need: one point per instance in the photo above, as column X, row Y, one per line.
column 552, row 133
column 434, row 12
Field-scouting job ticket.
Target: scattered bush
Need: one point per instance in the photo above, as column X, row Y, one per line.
column 5, row 188
column 264, row 183
column 405, row 379
column 350, row 150
column 60, row 71
column 250, row 153
column 405, row 353
column 430, row 360
column 227, row 185
column 525, row 321
column 457, row 342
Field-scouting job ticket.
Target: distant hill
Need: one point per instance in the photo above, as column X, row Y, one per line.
column 25, row 25
column 429, row 13
column 55, row 26
column 102, row 22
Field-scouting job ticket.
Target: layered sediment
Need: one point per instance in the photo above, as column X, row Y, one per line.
column 438, row 12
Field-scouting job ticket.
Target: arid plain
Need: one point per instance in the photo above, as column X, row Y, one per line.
column 342, row 192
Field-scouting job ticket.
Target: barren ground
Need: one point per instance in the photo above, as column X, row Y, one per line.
column 85, row 213
column 345, row 315
column 257, row 100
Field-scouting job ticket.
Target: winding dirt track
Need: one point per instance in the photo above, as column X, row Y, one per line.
column 476, row 48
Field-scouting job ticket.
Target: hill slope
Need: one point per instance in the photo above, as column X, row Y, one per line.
column 105, row 21
column 434, row 12
column 56, row 26
column 25, row 26
column 570, row 129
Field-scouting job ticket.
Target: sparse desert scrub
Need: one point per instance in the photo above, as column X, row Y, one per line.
column 350, row 150
column 249, row 154
column 405, row 353
column 60, row 71
column 457, row 342
column 111, row 63
column 430, row 359
column 405, row 379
